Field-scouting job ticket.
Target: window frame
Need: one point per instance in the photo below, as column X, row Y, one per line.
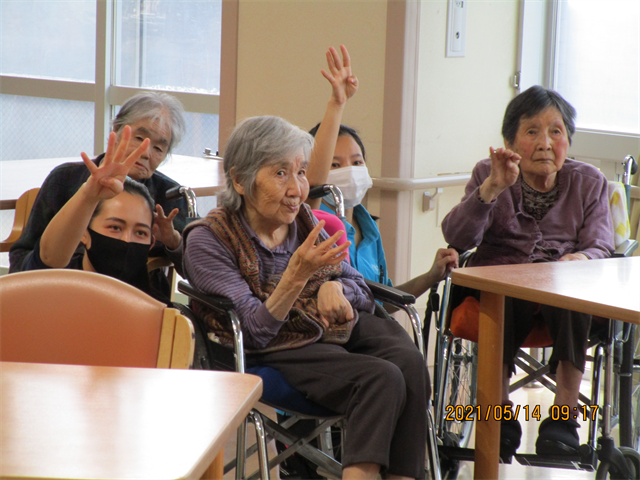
column 104, row 94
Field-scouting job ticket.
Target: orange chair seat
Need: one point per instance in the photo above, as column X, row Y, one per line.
column 465, row 321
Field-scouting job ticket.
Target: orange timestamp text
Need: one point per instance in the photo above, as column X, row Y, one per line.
column 464, row 413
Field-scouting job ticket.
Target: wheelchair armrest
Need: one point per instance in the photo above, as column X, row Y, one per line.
column 392, row 295
column 219, row 304
column 223, row 306
column 626, row 249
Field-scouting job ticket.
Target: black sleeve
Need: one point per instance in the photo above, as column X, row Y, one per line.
column 61, row 184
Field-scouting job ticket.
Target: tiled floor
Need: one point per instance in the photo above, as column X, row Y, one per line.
column 526, row 396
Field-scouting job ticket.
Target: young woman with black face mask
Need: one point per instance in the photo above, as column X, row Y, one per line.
column 111, row 215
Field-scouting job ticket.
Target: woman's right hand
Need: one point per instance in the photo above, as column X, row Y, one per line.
column 107, row 179
column 344, row 85
column 309, row 258
column 504, row 173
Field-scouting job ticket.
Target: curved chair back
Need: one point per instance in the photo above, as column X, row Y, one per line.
column 83, row 318
column 23, row 209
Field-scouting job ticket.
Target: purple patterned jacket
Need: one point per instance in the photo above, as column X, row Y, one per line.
column 580, row 221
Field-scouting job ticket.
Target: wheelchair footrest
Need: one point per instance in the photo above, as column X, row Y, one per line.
column 460, row 454
column 575, row 462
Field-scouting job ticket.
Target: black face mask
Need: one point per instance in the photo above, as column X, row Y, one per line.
column 126, row 261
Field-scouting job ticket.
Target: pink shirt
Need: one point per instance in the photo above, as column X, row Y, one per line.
column 332, row 225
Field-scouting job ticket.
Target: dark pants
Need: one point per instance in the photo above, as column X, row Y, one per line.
column 379, row 381
column 569, row 331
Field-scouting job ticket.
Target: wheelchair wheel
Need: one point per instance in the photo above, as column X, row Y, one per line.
column 629, row 397
column 460, row 390
column 607, row 470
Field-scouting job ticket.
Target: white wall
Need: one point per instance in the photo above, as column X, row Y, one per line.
column 281, row 50
column 461, row 102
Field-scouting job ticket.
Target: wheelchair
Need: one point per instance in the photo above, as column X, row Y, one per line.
column 278, row 394
column 616, row 370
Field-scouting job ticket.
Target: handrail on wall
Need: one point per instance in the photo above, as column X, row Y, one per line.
column 410, row 184
column 395, row 184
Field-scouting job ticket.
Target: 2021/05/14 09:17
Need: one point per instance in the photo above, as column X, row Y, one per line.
column 465, row 413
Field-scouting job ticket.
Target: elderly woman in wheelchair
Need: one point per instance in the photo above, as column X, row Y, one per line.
column 305, row 312
column 528, row 203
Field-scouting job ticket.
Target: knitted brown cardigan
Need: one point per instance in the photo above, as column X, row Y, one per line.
column 304, row 325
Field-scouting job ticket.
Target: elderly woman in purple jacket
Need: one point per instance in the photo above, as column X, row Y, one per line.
column 528, row 203
column 304, row 311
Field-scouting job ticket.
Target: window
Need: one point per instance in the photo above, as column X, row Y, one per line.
column 69, row 64
column 589, row 51
column 597, row 63
column 55, row 40
column 170, row 45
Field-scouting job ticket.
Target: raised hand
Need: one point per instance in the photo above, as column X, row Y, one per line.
column 504, row 173
column 107, row 179
column 163, row 228
column 343, row 83
column 309, row 258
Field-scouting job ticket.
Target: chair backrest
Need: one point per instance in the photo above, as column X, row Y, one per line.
column 23, row 210
column 83, row 318
column 634, row 212
column 619, row 212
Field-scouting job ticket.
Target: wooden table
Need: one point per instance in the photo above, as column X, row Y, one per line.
column 608, row 288
column 204, row 175
column 68, row 421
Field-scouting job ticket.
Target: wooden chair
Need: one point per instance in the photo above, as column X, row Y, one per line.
column 83, row 318
column 22, row 207
column 172, row 276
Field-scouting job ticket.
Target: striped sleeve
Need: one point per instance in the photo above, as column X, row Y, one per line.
column 213, row 269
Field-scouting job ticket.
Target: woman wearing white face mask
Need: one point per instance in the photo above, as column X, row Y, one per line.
column 339, row 159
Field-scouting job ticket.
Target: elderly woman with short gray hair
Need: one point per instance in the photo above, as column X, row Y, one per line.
column 158, row 117
column 303, row 310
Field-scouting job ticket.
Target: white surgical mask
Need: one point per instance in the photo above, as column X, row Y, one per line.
column 353, row 182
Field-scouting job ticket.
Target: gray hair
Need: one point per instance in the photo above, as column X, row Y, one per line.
column 255, row 143
column 530, row 103
column 155, row 106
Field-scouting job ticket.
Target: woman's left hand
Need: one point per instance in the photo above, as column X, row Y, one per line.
column 333, row 305
column 163, row 228
column 569, row 257
column 446, row 259
column 343, row 83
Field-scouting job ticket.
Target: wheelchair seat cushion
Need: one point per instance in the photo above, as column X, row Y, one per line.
column 278, row 393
